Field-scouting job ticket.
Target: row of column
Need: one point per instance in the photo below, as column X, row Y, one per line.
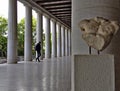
column 60, row 41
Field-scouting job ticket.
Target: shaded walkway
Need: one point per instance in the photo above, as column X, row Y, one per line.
column 48, row 75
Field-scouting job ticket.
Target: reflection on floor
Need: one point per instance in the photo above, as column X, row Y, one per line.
column 48, row 75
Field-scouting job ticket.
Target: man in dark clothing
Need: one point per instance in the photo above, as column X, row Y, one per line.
column 38, row 49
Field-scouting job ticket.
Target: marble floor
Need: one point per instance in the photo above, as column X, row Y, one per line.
column 48, row 75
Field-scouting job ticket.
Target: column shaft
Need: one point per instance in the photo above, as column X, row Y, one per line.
column 39, row 31
column 63, row 41
column 12, row 32
column 54, row 39
column 28, row 34
column 59, row 41
column 69, row 42
column 47, row 39
column 66, row 41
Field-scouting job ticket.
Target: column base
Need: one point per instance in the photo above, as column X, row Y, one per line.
column 11, row 61
column 28, row 60
column 47, row 57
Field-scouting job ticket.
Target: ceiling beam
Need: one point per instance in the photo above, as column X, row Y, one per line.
column 49, row 1
column 69, row 12
column 65, row 18
column 53, row 8
column 55, row 4
column 56, row 10
column 58, row 7
column 63, row 15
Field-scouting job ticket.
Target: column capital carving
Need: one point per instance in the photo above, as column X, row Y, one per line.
column 47, row 16
column 39, row 12
column 53, row 20
column 59, row 23
column 27, row 5
column 63, row 27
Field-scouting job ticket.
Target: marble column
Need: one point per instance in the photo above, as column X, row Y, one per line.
column 83, row 9
column 12, row 32
column 54, row 39
column 47, row 39
column 63, row 40
column 70, row 43
column 66, row 41
column 28, row 34
column 59, row 40
column 39, row 31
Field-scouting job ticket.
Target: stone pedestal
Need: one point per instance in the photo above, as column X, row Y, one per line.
column 93, row 73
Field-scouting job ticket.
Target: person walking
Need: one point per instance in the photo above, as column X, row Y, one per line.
column 38, row 50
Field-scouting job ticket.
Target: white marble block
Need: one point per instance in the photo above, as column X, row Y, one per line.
column 93, row 73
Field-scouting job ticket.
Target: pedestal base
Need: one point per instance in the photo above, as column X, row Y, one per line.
column 93, row 73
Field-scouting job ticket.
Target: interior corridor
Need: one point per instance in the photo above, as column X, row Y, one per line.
column 48, row 75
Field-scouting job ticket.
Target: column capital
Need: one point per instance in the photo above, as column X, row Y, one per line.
column 69, row 30
column 66, row 28
column 27, row 5
column 47, row 16
column 63, row 27
column 53, row 20
column 59, row 23
column 39, row 12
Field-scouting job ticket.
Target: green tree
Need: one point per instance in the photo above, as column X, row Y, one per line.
column 3, row 36
column 20, row 31
column 21, row 28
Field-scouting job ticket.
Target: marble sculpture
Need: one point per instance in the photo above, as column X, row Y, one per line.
column 98, row 32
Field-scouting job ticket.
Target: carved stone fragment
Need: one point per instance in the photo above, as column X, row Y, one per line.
column 98, row 32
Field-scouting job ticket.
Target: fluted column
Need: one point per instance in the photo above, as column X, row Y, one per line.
column 66, row 41
column 54, row 39
column 59, row 40
column 69, row 33
column 39, row 31
column 47, row 38
column 63, row 41
column 28, row 34
column 12, row 32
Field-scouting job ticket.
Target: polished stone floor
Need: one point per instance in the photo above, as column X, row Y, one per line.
column 48, row 75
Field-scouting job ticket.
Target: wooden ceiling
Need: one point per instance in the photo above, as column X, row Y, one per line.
column 59, row 8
